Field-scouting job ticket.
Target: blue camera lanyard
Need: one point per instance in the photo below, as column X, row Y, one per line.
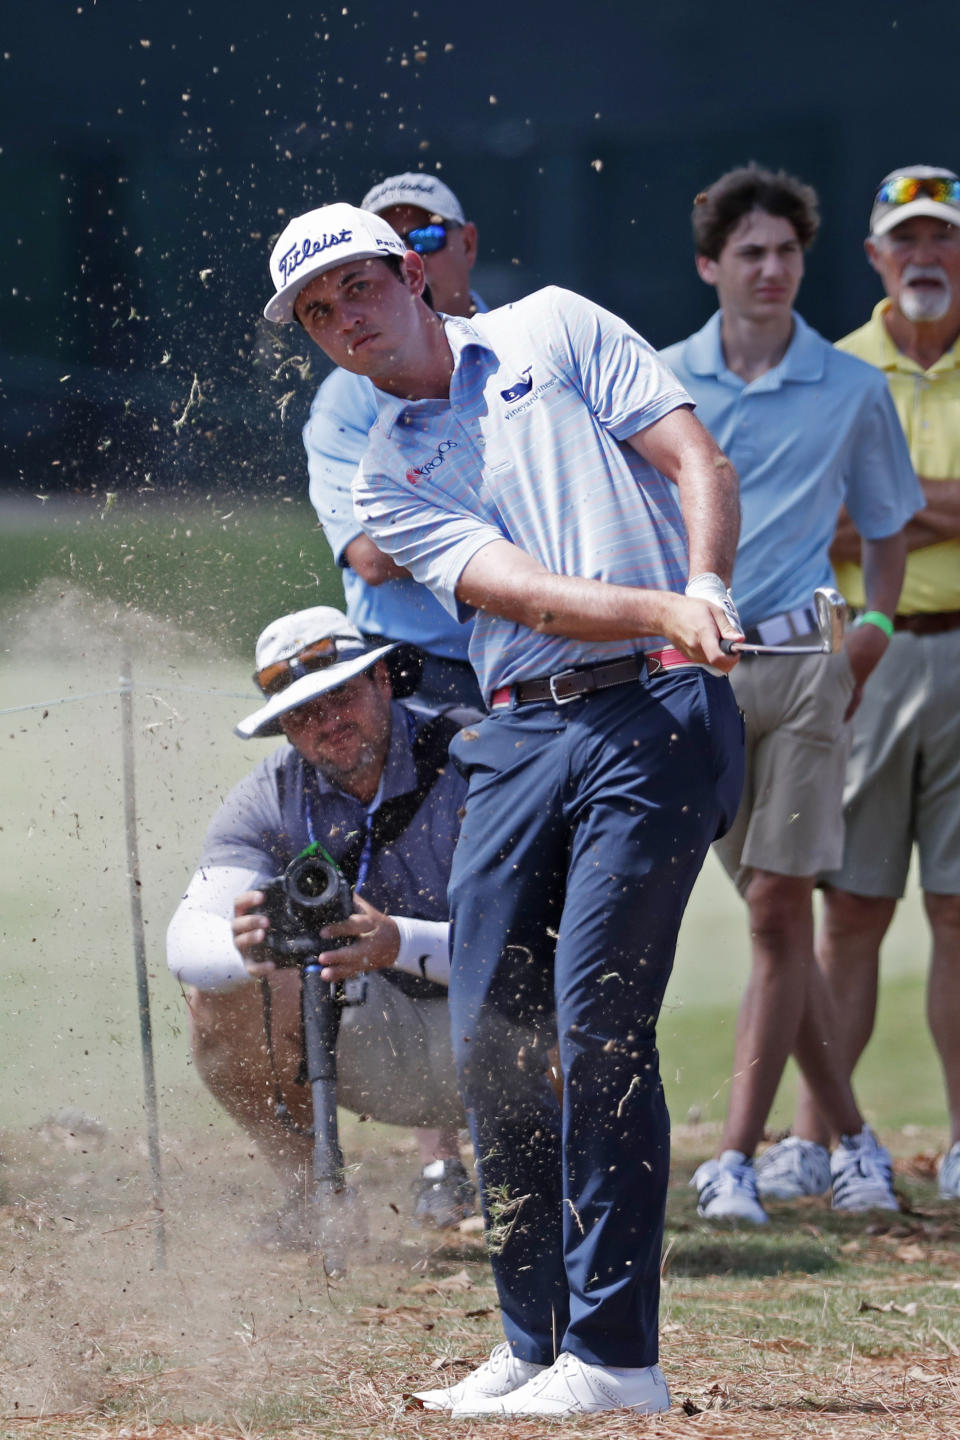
column 313, row 798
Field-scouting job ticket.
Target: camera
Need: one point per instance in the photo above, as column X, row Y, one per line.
column 312, row 892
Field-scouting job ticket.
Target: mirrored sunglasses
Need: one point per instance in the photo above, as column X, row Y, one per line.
column 318, row 656
column 902, row 189
column 428, row 239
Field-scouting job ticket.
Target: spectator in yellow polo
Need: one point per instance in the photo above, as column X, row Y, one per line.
column 903, row 781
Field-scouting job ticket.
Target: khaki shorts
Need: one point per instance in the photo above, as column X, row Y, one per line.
column 790, row 819
column 903, row 780
column 394, row 1060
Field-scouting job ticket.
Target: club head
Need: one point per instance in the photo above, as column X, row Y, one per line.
column 831, row 618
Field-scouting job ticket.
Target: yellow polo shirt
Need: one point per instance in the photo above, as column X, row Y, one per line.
column 928, row 403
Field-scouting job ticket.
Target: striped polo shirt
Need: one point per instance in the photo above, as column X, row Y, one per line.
column 530, row 447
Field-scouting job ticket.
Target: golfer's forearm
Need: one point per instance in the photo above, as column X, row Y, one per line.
column 711, row 514
column 683, row 450
column 883, row 566
column 503, row 580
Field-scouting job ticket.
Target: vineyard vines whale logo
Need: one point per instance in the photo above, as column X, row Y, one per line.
column 420, row 471
column 290, row 262
column 522, row 387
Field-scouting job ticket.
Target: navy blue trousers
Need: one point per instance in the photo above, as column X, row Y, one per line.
column 585, row 828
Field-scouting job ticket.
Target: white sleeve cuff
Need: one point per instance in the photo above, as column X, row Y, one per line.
column 424, row 948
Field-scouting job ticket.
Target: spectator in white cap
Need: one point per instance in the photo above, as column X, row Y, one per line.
column 365, row 776
column 382, row 600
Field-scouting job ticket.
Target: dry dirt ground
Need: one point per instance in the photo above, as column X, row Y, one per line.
column 101, row 1339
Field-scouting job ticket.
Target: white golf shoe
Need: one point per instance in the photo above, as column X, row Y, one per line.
column 948, row 1174
column 862, row 1172
column 497, row 1376
column 572, row 1387
column 727, row 1190
column 792, row 1168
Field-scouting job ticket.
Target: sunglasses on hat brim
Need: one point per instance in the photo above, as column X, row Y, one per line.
column 903, row 189
column 319, row 655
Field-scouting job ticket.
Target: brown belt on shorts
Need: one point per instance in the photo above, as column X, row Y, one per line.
column 935, row 622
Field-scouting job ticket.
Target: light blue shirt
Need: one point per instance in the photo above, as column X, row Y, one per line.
column 335, row 438
column 816, row 432
column 531, row 448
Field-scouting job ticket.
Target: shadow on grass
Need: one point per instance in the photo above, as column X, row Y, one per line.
column 693, row 1255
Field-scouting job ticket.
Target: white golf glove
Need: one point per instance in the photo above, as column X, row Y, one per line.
column 711, row 588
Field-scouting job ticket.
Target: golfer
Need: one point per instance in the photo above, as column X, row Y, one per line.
column 540, row 470
column 358, row 766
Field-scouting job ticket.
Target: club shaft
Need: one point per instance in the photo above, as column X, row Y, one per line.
column 740, row 647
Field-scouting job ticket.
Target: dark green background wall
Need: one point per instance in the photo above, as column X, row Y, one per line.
column 150, row 151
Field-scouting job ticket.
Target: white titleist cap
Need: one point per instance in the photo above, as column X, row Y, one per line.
column 426, row 191
column 915, row 190
column 318, row 241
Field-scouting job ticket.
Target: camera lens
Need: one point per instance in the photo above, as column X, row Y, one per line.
column 312, row 883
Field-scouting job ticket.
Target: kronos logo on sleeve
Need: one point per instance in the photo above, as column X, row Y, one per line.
column 421, row 471
column 290, row 262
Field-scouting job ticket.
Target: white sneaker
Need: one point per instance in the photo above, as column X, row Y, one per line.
column 792, row 1168
column 572, row 1387
column 948, row 1174
column 728, row 1189
column 497, row 1376
column 862, row 1172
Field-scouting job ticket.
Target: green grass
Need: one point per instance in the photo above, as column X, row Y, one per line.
column 898, row 1081
column 220, row 568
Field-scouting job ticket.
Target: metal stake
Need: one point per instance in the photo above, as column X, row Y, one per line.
column 140, row 951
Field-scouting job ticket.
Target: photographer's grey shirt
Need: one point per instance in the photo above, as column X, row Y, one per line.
column 275, row 811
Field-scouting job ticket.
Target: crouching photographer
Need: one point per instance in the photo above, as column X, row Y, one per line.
column 331, row 859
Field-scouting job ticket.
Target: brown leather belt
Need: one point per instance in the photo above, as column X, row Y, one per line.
column 569, row 685
column 934, row 622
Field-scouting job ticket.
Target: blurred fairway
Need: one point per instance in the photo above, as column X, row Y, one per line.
column 220, row 567
column 187, row 589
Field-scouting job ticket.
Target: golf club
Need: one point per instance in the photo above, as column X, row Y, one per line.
column 831, row 618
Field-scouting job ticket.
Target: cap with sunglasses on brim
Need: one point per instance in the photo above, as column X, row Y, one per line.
column 915, row 190
column 312, row 652
column 318, row 241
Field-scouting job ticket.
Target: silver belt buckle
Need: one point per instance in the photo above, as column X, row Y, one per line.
column 560, row 676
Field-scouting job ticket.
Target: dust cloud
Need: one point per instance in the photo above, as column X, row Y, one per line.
column 89, row 1311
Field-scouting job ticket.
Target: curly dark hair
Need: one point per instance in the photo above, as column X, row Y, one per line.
column 718, row 210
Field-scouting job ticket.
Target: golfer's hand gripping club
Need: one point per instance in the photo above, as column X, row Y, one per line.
column 831, row 611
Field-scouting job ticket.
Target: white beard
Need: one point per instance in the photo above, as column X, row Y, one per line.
column 926, row 304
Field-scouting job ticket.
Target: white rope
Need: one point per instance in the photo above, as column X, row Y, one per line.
column 147, row 685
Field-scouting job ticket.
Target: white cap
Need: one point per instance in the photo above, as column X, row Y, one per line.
column 286, row 638
column 886, row 214
column 425, row 191
column 321, row 240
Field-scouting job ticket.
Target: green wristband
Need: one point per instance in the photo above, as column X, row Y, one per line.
column 877, row 617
